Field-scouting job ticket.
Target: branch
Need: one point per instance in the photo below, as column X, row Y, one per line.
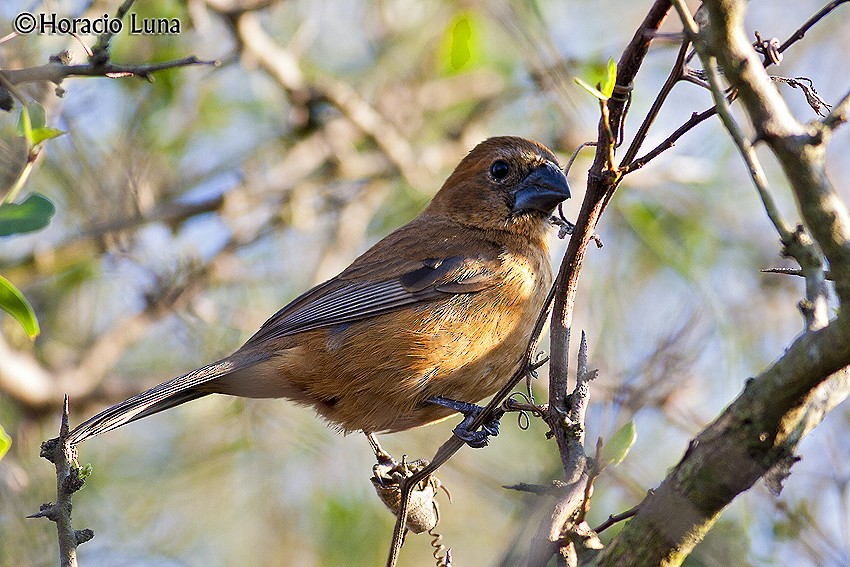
column 56, row 71
column 100, row 51
column 564, row 528
column 676, row 74
column 759, row 430
column 800, row 149
column 795, row 243
column 600, row 188
column 698, row 118
column 808, row 24
column 69, row 479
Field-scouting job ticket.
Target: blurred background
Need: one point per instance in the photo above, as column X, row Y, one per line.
column 191, row 208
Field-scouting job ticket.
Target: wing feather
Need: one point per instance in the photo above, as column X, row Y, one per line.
column 340, row 301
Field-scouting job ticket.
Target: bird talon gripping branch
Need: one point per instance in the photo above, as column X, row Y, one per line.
column 475, row 439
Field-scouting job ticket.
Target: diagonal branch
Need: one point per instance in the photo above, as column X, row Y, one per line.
column 700, row 117
column 795, row 242
column 799, row 148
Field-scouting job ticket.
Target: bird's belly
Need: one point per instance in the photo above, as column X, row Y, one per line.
column 378, row 374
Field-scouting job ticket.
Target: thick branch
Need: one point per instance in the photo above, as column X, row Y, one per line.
column 758, row 430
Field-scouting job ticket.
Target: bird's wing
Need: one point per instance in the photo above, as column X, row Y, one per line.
column 346, row 299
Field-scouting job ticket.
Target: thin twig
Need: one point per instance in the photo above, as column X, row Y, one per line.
column 56, row 72
column 676, row 74
column 795, row 242
column 615, row 518
column 735, row 132
column 695, row 119
column 99, row 54
column 807, row 25
column 698, row 118
column 793, row 272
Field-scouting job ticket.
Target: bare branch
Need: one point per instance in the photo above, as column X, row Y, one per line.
column 100, row 52
column 56, row 72
column 698, row 118
column 735, row 132
column 69, row 479
column 808, row 24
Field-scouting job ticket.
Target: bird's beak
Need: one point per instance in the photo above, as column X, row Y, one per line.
column 542, row 190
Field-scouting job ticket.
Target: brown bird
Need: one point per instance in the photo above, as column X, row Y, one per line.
column 430, row 319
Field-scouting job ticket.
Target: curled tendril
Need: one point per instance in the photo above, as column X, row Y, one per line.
column 442, row 555
column 523, row 421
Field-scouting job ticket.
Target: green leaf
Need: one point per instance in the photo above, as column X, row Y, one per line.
column 32, row 125
column 13, row 302
column 460, row 42
column 592, row 90
column 616, row 449
column 25, row 125
column 37, row 117
column 5, row 442
column 610, row 78
column 34, row 213
column 44, row 133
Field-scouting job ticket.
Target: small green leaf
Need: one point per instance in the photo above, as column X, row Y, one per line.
column 13, row 302
column 460, row 45
column 616, row 449
column 44, row 133
column 32, row 125
column 34, row 213
column 37, row 117
column 592, row 90
column 25, row 125
column 610, row 78
column 5, row 442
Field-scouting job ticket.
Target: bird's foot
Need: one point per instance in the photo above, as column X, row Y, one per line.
column 475, row 439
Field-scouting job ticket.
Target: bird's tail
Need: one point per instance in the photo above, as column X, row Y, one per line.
column 162, row 397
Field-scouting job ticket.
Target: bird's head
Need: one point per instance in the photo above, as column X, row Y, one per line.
column 505, row 183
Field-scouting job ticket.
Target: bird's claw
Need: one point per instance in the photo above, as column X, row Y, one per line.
column 475, row 439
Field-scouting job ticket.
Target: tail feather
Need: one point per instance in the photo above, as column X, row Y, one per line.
column 164, row 396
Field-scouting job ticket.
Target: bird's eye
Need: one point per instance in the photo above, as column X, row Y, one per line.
column 500, row 169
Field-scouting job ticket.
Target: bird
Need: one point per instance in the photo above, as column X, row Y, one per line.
column 431, row 319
